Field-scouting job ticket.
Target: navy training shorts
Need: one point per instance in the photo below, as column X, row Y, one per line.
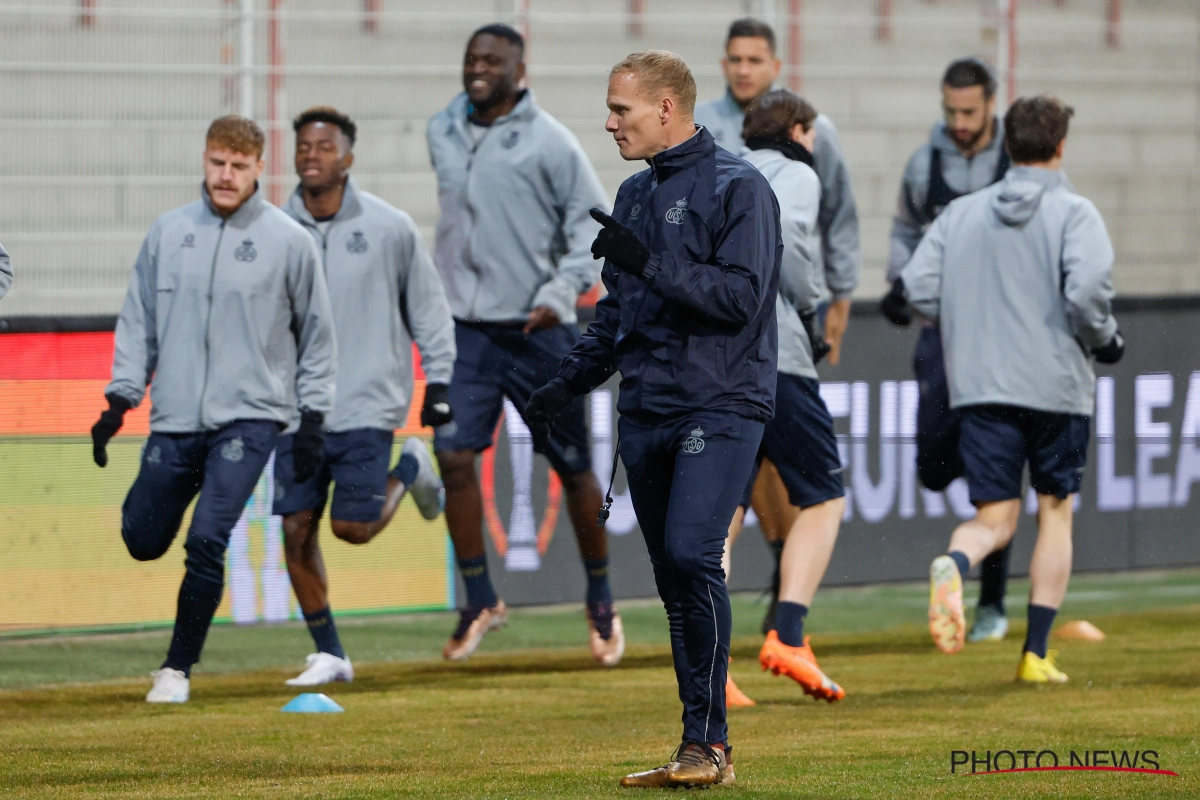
column 801, row 443
column 998, row 440
column 498, row 360
column 356, row 461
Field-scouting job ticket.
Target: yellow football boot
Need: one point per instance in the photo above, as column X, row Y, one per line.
column 1034, row 669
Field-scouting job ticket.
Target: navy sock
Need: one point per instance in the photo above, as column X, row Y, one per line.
column 480, row 593
column 198, row 601
column 598, row 590
column 789, row 623
column 1041, row 619
column 324, row 632
column 406, row 469
column 993, row 579
column 964, row 563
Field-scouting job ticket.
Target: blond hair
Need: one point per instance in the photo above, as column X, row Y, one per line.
column 662, row 72
column 238, row 134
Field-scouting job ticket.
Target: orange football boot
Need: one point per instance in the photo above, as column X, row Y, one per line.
column 799, row 664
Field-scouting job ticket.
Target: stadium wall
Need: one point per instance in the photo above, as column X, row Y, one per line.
column 63, row 565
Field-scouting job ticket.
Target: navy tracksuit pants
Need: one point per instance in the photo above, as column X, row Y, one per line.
column 686, row 476
column 223, row 466
column 938, row 426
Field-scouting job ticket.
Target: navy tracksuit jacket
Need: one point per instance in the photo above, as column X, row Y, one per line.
column 696, row 343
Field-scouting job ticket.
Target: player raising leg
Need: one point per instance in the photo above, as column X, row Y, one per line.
column 385, row 294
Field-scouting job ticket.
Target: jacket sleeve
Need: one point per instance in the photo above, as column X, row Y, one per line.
column 1087, row 259
column 838, row 219
column 734, row 288
column 135, row 351
column 426, row 309
column 923, row 273
column 590, row 363
column 6, row 273
column 799, row 282
column 576, row 189
column 909, row 220
column 312, row 325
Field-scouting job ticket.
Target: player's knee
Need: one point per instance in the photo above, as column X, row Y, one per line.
column 581, row 482
column 686, row 557
column 458, row 469
column 205, row 558
column 144, row 545
column 352, row 532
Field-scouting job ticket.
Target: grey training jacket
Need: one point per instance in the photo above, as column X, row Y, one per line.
column 798, row 190
column 6, row 273
column 1020, row 277
column 226, row 319
column 840, row 256
column 515, row 231
column 385, row 292
column 962, row 174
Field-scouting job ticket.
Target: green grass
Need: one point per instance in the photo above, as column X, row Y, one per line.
column 531, row 716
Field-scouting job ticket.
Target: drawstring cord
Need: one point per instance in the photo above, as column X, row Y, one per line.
column 602, row 517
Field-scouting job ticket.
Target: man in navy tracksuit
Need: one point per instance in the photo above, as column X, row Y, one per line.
column 692, row 257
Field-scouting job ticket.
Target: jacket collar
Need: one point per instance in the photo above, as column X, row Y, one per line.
column 791, row 150
column 351, row 205
column 247, row 212
column 525, row 109
column 941, row 140
column 683, row 155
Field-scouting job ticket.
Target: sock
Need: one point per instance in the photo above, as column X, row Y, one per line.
column 406, row 469
column 480, row 593
column 993, row 579
column 777, row 552
column 324, row 632
column 598, row 590
column 1041, row 619
column 964, row 563
column 789, row 623
column 198, row 601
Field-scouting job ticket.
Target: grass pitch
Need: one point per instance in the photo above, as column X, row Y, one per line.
column 528, row 717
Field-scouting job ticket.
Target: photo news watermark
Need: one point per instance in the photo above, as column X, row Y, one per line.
column 999, row 762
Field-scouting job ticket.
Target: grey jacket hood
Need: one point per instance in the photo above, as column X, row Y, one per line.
column 1021, row 193
column 514, row 232
column 839, row 257
column 1019, row 275
column 385, row 294
column 225, row 319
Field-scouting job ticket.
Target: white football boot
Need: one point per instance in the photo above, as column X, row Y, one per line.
column 170, row 686
column 427, row 490
column 324, row 668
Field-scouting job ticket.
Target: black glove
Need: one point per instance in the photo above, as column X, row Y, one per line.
column 543, row 406
column 107, row 427
column 894, row 305
column 308, row 445
column 1112, row 352
column 619, row 245
column 436, row 411
column 820, row 347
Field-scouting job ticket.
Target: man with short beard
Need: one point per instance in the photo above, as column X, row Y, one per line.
column 386, row 294
column 512, row 246
column 965, row 153
column 227, row 319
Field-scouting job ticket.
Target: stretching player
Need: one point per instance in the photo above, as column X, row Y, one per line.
column 799, row 440
column 227, row 318
column 512, row 247
column 692, row 256
column 965, row 153
column 751, row 67
column 385, row 293
column 1019, row 276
